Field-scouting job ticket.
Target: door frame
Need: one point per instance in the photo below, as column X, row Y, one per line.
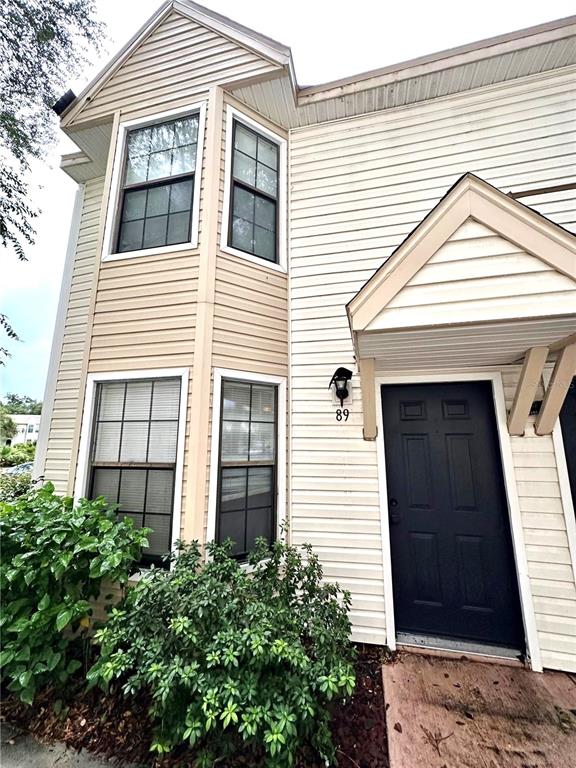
column 514, row 515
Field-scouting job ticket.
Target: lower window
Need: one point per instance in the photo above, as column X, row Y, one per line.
column 247, row 467
column 133, row 455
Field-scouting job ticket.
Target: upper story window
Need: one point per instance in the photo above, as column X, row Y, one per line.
column 254, row 205
column 158, row 185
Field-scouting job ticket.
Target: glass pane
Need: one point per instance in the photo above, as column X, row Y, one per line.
column 265, row 243
column 186, row 131
column 134, row 441
column 139, row 142
column 138, row 395
column 184, row 159
column 105, row 483
column 162, row 137
column 155, row 231
column 232, row 527
column 158, row 198
column 267, row 153
column 160, row 164
column 160, row 538
column 267, row 180
column 178, row 228
column 163, row 438
column 232, row 489
column 181, row 196
column 132, row 488
column 160, row 493
column 265, row 214
column 263, row 405
column 245, row 168
column 259, row 524
column 236, row 396
column 111, row 401
column 107, row 441
column 245, row 140
column 137, row 169
column 130, row 236
column 262, row 441
column 166, row 399
column 243, row 203
column 260, row 487
column 242, row 234
column 234, row 441
column 134, row 205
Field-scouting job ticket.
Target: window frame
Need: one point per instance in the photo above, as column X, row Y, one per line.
column 221, row 374
column 116, row 198
column 235, row 116
column 83, row 474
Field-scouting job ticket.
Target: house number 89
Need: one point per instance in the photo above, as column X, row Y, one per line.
column 342, row 414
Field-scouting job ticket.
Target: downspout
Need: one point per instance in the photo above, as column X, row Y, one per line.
column 58, row 338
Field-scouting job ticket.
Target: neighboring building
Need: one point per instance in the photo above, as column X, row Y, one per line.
column 28, row 426
column 237, row 238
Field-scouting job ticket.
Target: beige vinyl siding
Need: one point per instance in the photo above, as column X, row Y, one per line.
column 358, row 188
column 552, row 579
column 76, row 328
column 478, row 276
column 174, row 66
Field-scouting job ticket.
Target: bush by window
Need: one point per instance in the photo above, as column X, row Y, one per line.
column 234, row 661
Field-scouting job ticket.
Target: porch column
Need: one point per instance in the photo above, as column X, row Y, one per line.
column 534, row 361
column 564, row 370
column 367, row 383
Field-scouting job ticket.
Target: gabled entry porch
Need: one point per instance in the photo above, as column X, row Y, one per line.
column 465, row 346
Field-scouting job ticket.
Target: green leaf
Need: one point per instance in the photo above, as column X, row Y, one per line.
column 6, row 656
column 44, row 603
column 63, row 619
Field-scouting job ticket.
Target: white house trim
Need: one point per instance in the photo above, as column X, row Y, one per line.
column 86, row 431
column 257, row 378
column 108, row 250
column 564, row 482
column 231, row 115
column 56, row 350
column 526, row 601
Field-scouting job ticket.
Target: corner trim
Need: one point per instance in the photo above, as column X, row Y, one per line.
column 58, row 336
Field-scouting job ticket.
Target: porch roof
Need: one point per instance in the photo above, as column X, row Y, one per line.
column 447, row 299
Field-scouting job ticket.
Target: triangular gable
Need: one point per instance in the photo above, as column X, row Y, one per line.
column 470, row 199
column 273, row 56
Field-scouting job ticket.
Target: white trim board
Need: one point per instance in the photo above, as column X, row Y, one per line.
column 58, row 337
column 112, row 210
column 564, row 482
column 257, row 378
column 86, row 431
column 518, row 545
column 233, row 114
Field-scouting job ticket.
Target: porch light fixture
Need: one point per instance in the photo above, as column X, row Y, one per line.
column 340, row 380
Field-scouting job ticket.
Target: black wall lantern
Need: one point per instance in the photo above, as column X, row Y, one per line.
column 340, row 380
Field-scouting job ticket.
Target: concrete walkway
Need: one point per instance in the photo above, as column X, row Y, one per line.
column 20, row 750
column 463, row 714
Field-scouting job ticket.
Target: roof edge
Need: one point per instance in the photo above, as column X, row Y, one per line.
column 548, row 29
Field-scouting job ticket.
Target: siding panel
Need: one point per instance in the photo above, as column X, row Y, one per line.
column 358, row 188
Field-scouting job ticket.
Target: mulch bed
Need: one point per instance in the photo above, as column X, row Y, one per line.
column 116, row 728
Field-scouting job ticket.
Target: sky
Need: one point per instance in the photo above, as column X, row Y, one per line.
column 329, row 39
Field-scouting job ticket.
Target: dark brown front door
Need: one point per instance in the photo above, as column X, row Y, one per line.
column 452, row 559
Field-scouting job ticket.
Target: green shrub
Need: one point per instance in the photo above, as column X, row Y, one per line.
column 12, row 486
column 234, row 660
column 10, row 455
column 54, row 559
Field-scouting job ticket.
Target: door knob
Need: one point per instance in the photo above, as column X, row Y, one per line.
column 393, row 516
